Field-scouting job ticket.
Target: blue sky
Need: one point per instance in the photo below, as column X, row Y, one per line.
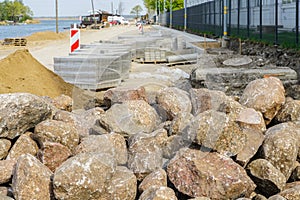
column 78, row 7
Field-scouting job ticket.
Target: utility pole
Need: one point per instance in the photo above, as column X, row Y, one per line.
column 56, row 15
column 95, row 20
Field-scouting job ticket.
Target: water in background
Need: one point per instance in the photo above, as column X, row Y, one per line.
column 12, row 31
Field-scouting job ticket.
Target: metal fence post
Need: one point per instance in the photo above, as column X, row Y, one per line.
column 171, row 14
column 276, row 22
column 238, row 17
column 185, row 15
column 229, row 16
column 297, row 22
column 260, row 19
column 248, row 19
column 225, row 19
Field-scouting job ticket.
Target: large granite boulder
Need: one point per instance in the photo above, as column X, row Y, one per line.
column 254, row 141
column 174, row 101
column 266, row 95
column 290, row 111
column 31, row 179
column 204, row 99
column 6, row 170
column 122, row 185
column 130, row 117
column 218, row 131
column 268, row 179
column 24, row 145
column 112, row 144
column 63, row 102
column 157, row 178
column 56, row 131
column 158, row 193
column 122, row 94
column 280, row 147
column 145, row 152
column 203, row 174
column 180, row 123
column 84, row 176
column 4, row 147
column 20, row 112
column 83, row 121
column 292, row 193
column 53, row 154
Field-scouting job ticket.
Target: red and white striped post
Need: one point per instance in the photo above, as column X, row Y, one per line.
column 141, row 28
column 74, row 38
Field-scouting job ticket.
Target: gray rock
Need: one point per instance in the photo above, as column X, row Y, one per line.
column 4, row 147
column 268, row 179
column 53, row 154
column 290, row 111
column 238, row 62
column 129, row 118
column 122, row 185
column 218, row 131
column 25, row 112
column 6, row 170
column 265, row 95
column 203, row 174
column 145, row 152
column 56, row 131
column 158, row 193
column 174, row 101
column 84, row 176
column 156, row 178
column 173, row 144
column 31, row 179
column 112, row 144
column 24, row 145
column 200, row 198
column 280, row 147
column 122, row 94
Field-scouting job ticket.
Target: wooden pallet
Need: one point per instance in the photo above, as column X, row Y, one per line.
column 15, row 41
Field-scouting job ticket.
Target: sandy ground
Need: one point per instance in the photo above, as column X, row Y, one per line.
column 45, row 50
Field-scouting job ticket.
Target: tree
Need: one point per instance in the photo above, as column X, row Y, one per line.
column 15, row 11
column 152, row 4
column 136, row 10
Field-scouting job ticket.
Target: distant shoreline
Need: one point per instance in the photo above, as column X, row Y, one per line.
column 53, row 18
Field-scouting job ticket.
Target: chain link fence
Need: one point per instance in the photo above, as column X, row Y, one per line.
column 273, row 22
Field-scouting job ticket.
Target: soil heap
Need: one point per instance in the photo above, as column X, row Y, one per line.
column 47, row 35
column 20, row 72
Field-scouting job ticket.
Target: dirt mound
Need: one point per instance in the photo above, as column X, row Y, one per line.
column 47, row 35
column 20, row 72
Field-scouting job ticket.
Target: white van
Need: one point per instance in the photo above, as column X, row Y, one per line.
column 119, row 19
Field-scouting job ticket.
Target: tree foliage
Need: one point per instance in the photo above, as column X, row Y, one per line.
column 151, row 5
column 14, row 11
column 136, row 10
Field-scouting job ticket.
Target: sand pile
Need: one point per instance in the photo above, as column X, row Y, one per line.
column 47, row 35
column 20, row 72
